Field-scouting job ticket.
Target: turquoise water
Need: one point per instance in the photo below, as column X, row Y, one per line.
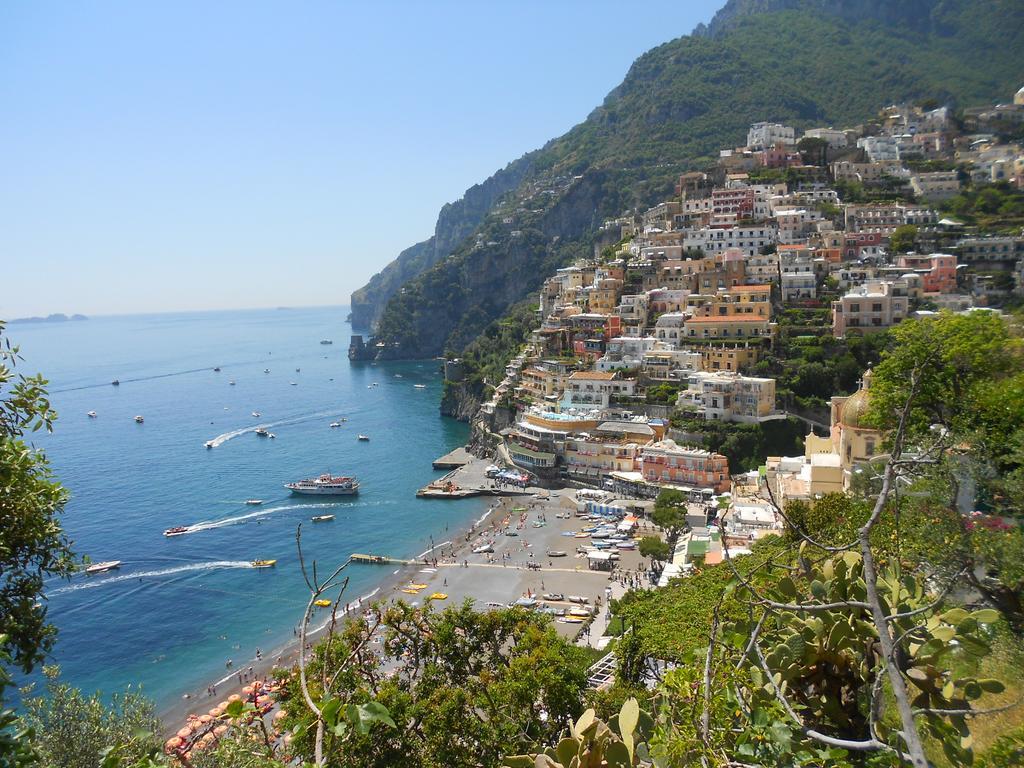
column 180, row 607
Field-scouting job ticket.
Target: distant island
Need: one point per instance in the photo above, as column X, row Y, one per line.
column 54, row 318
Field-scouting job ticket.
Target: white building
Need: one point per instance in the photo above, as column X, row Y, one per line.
column 836, row 139
column 763, row 135
column 728, row 396
column 880, row 148
column 748, row 239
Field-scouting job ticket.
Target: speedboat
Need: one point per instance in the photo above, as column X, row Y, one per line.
column 217, row 369
column 91, row 414
column 262, row 432
column 264, row 563
column 294, row 384
column 322, row 518
column 208, row 444
column 297, row 370
column 177, row 530
column 364, row 438
column 322, row 603
column 254, row 502
column 109, row 565
column 335, row 424
column 139, row 419
column 482, row 549
column 232, row 382
column 326, row 341
column 116, row 383
column 558, row 596
column 556, row 553
column 266, row 370
column 255, row 414
column 420, row 386
column 578, row 599
column 271, row 435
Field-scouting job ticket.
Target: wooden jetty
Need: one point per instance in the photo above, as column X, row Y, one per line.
column 379, row 560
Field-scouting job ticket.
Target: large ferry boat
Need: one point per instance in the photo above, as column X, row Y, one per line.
column 325, row 485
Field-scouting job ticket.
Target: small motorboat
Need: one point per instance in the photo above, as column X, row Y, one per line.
column 322, row 603
column 410, row 585
column 271, row 435
column 556, row 553
column 266, row 370
column 364, row 438
column 232, row 382
column 177, row 530
column 115, row 383
column 398, row 375
column 420, row 386
column 139, row 419
column 91, row 414
column 326, row 341
column 555, row 596
column 293, row 383
column 578, row 599
column 255, row 414
column 322, row 518
column 264, row 563
column 297, row 370
column 262, row 432
column 217, row 369
column 109, row 565
column 438, row 596
column 254, row 502
column 411, row 591
column 483, row 548
column 570, row 620
column 335, row 424
column 208, row 444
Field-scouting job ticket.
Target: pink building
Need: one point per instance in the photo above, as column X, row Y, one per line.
column 937, row 270
column 665, row 463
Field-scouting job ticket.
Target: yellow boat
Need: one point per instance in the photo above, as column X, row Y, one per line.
column 417, row 586
column 264, row 563
column 411, row 591
column 322, row 603
column 439, row 596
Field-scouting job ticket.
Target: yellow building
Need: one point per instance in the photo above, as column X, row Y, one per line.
column 854, row 441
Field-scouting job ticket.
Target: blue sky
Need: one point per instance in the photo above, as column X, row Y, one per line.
column 188, row 155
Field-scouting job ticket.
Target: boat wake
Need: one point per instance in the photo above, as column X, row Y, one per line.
column 209, row 525
column 219, row 440
column 190, row 567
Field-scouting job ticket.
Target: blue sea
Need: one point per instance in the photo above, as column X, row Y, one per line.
column 180, row 607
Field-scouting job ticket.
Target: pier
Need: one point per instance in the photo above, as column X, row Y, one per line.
column 467, row 480
column 460, row 457
column 379, row 560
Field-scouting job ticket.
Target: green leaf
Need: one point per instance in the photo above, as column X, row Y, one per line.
column 629, row 716
column 991, row 685
column 235, row 709
column 618, row 755
column 986, row 616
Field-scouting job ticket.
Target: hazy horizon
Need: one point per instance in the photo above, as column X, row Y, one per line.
column 195, row 157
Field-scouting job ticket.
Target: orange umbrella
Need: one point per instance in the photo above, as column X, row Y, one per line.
column 280, row 715
column 172, row 744
column 234, row 697
column 216, row 712
column 220, row 730
column 204, row 719
column 184, row 733
column 262, row 700
column 247, row 689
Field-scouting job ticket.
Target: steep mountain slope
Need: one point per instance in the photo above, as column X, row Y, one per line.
column 805, row 62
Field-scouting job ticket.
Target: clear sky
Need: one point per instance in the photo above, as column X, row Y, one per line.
column 206, row 155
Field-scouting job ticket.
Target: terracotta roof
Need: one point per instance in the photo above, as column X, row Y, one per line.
column 594, row 375
column 749, row 288
column 728, row 319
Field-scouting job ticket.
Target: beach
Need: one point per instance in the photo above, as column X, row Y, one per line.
column 521, row 529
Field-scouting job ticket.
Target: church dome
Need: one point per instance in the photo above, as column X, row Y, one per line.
column 856, row 406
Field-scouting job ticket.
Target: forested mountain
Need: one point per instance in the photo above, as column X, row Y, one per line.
column 804, row 62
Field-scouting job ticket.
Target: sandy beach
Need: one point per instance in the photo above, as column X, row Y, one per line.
column 521, row 530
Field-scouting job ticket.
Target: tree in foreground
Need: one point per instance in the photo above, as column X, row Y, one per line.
column 669, row 514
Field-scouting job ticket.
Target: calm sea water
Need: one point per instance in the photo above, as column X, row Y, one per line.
column 180, row 607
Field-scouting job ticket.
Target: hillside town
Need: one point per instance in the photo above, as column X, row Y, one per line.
column 833, row 234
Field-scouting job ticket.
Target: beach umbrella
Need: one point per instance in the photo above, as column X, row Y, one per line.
column 184, row 733
column 172, row 744
column 280, row 715
column 222, row 706
column 234, row 697
column 263, row 700
column 220, row 730
column 216, row 712
column 204, row 719
column 247, row 689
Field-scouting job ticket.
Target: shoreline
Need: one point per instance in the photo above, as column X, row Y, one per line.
column 522, row 531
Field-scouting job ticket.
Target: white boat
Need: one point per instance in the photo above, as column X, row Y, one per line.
column 232, row 382
column 139, row 419
column 364, row 438
column 91, row 414
column 208, row 444
column 178, row 530
column 109, row 565
column 420, row 386
column 483, row 548
column 262, row 432
column 271, row 435
column 266, row 370
column 325, row 485
column 255, row 414
column 293, row 383
column 335, row 424
column 254, row 502
column 322, row 518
